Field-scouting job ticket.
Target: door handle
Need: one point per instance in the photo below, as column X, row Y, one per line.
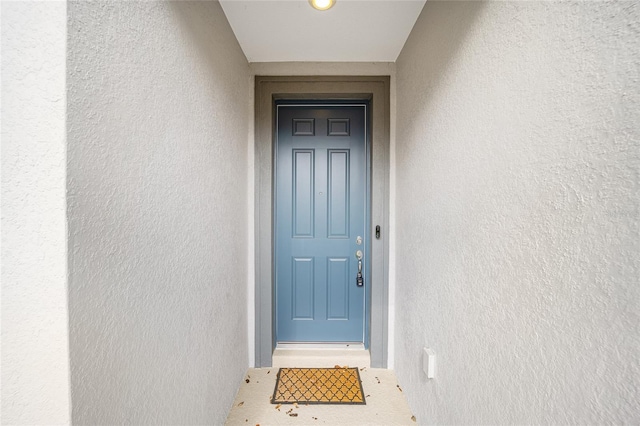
column 359, row 278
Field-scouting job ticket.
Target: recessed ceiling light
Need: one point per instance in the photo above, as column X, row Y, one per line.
column 322, row 4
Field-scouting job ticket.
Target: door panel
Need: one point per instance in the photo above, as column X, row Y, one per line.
column 338, row 193
column 303, row 288
column 303, row 193
column 320, row 210
column 338, row 289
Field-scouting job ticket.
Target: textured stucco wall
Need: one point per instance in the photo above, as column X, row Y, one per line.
column 35, row 354
column 157, row 164
column 518, row 251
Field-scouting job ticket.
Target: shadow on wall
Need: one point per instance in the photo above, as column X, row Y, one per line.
column 207, row 28
column 458, row 17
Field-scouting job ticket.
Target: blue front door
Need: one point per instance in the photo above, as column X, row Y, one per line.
column 320, row 222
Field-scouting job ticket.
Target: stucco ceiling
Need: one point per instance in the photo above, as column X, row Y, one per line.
column 351, row 31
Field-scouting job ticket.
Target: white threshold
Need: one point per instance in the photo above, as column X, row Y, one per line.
column 321, row 345
column 290, row 354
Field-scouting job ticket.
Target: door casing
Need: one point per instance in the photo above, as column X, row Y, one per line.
column 268, row 90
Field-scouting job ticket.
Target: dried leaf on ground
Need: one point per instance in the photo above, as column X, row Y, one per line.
column 293, row 415
column 413, row 418
column 399, row 388
column 241, row 403
column 247, row 380
column 278, row 407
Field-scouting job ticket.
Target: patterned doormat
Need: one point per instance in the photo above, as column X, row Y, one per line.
column 318, row 386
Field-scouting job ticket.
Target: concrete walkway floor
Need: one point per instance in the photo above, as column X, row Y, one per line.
column 386, row 404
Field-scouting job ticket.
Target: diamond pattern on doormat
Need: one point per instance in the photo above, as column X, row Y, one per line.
column 318, row 386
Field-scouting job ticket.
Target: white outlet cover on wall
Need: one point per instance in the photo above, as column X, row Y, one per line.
column 429, row 363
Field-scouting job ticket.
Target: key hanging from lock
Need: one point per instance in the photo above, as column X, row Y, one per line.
column 359, row 278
